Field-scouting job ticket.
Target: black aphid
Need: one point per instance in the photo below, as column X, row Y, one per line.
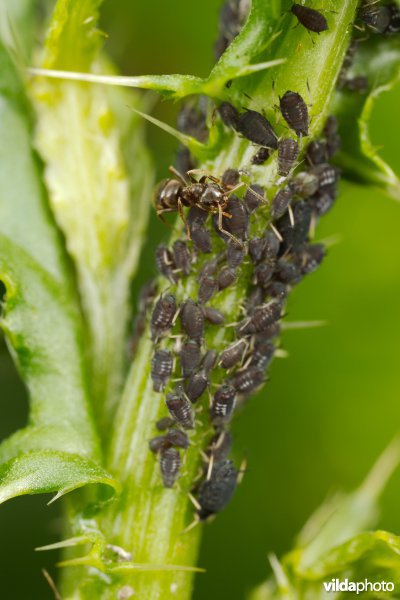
column 216, row 492
column 178, row 438
column 209, row 360
column 323, row 201
column 238, row 221
column 182, row 256
column 310, row 18
column 230, row 178
column 376, row 17
column 278, row 290
column 170, row 464
column 247, row 380
column 327, row 175
column 295, row 235
column 263, row 316
column 280, row 203
column 208, row 286
column 288, row 151
column 256, row 128
column 228, row 114
column 262, row 353
column 331, row 126
column 272, row 244
column 165, row 263
column 311, row 257
column 190, row 357
column 262, row 274
column 359, row 83
column 223, row 404
column 163, row 315
column 305, row 184
column 192, row 320
column 261, row 156
column 156, row 444
column 161, row 369
column 287, row 271
column 295, row 112
column 316, row 153
column 196, row 385
column 233, row 354
column 165, row 423
column 252, row 198
column 208, row 269
column 234, row 254
column 180, row 409
column 254, row 299
column 256, row 248
column 214, row 316
column 226, row 277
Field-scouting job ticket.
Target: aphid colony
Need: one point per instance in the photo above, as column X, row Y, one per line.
column 196, row 381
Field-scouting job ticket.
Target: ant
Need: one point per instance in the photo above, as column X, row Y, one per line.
column 209, row 194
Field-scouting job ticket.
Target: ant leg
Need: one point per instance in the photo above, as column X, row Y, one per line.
column 182, row 216
column 224, row 231
column 276, row 232
column 179, row 176
column 205, row 173
column 237, row 187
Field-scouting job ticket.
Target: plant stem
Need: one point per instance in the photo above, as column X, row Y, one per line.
column 147, row 519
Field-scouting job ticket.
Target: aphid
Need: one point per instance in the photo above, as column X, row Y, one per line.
column 252, row 198
column 278, row 290
column 182, row 256
column 254, row 299
column 214, row 316
column 312, row 257
column 208, row 269
column 331, row 126
column 295, row 235
column 165, row 263
column 358, row 83
column 288, row 272
column 280, row 203
column 223, row 404
column 238, row 221
column 256, row 128
column 184, row 160
column 161, row 369
column 234, row 254
column 271, row 247
column 263, row 316
column 190, row 357
column 216, row 492
column 228, row 114
column 176, row 437
column 305, row 184
column 262, row 353
column 247, row 380
column 192, row 320
column 327, row 175
column 163, row 315
column 333, row 145
column 180, row 409
column 295, row 112
column 170, row 464
column 158, row 443
column 230, row 178
column 316, row 152
column 145, row 300
column 332, row 136
column 165, row 423
column 261, row 156
column 256, row 248
column 220, row 446
column 233, row 354
column 376, row 17
column 196, row 385
column 262, row 274
column 394, row 25
column 323, row 201
column 272, row 331
column 208, row 286
column 226, row 277
column 209, row 360
column 288, row 151
column 310, row 18
column 192, row 118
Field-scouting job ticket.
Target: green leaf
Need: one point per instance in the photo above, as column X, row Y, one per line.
column 100, row 203
column 41, row 321
column 379, row 60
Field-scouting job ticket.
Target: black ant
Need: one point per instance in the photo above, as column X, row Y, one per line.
column 209, row 194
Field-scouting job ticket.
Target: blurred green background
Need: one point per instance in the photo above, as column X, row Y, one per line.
column 328, row 410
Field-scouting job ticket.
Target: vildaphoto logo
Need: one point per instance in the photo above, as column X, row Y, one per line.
column 336, row 585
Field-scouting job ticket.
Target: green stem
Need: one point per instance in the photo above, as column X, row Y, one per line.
column 148, row 520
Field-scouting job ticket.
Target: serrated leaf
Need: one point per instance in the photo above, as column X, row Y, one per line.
column 379, row 61
column 101, row 207
column 41, row 321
